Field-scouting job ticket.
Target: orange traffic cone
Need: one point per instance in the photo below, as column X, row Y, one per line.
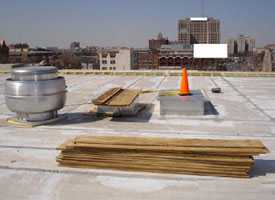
column 184, row 86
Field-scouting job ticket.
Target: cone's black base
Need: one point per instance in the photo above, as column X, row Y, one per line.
column 190, row 94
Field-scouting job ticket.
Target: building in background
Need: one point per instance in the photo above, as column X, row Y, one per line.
column 174, row 55
column 115, row 58
column 22, row 53
column 155, row 44
column 89, row 57
column 145, row 58
column 200, row 30
column 19, row 53
column 148, row 58
column 232, row 47
column 271, row 49
column 241, row 46
column 53, row 48
column 40, row 55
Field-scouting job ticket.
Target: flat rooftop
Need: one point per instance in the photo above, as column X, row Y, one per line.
column 245, row 109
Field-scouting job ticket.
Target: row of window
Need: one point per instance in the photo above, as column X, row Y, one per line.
column 198, row 28
column 112, row 55
column 108, row 68
column 104, row 62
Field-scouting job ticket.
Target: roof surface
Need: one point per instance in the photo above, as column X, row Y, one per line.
column 246, row 109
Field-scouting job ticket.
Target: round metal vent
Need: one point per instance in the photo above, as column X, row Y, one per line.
column 35, row 93
column 34, row 73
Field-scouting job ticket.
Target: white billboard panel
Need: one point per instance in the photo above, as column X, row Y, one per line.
column 210, row 51
column 198, row 18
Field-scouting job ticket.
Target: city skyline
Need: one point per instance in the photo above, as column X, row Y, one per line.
column 124, row 23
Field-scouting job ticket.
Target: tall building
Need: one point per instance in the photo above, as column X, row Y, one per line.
column 232, row 47
column 272, row 49
column 241, row 46
column 115, row 59
column 156, row 43
column 199, row 30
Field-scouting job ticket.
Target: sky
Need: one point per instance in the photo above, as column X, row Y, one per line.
column 127, row 22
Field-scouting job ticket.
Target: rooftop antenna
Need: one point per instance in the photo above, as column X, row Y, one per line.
column 202, row 8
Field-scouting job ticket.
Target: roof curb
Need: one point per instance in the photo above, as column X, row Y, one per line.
column 160, row 73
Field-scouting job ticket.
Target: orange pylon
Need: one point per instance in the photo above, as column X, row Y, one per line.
column 184, row 86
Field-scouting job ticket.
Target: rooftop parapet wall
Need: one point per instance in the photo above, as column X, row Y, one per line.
column 160, row 73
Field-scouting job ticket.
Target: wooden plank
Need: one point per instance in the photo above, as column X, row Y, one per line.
column 102, row 99
column 98, row 165
column 124, row 98
column 164, row 166
column 191, row 150
column 159, row 162
column 117, row 97
column 140, row 155
column 154, row 141
column 66, row 145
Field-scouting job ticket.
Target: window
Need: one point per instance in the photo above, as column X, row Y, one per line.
column 104, row 55
column 113, row 62
column 104, row 62
column 112, row 54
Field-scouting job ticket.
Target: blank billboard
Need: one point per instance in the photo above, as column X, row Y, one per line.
column 198, row 18
column 210, row 51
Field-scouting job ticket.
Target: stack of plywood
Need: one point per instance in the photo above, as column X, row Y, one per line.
column 228, row 158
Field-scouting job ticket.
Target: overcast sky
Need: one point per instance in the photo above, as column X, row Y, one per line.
column 127, row 22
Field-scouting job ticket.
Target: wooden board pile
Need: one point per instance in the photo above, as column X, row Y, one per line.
column 227, row 158
column 117, row 97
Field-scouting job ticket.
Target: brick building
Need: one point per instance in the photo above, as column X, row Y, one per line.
column 155, row 44
column 145, row 59
column 173, row 56
column 148, row 58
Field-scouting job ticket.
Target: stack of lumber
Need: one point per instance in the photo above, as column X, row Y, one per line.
column 117, row 97
column 227, row 158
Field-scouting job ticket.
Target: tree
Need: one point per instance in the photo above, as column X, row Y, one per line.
column 4, row 52
column 67, row 60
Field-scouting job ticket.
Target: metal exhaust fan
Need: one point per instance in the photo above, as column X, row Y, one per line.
column 35, row 93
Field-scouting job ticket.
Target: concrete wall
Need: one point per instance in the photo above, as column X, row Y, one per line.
column 124, row 59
